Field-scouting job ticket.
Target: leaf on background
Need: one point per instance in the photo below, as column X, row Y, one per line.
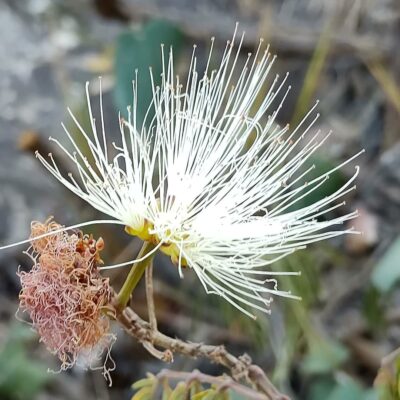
column 307, row 285
column 387, row 381
column 321, row 165
column 347, row 390
column 141, row 50
column 297, row 317
column 313, row 75
column 344, row 389
column 145, row 388
column 387, row 270
column 203, row 394
column 20, row 377
column 321, row 388
column 387, row 82
column 235, row 396
column 372, row 394
column 149, row 381
column 373, row 308
column 180, row 392
column 145, row 393
column 324, row 357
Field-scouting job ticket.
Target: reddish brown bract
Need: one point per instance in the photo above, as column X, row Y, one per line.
column 65, row 295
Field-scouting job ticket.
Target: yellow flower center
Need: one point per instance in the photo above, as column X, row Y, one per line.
column 142, row 233
column 168, row 248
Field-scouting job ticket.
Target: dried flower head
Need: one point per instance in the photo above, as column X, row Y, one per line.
column 65, row 295
column 212, row 178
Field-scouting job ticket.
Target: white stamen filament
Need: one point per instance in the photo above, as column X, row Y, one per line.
column 63, row 229
column 210, row 173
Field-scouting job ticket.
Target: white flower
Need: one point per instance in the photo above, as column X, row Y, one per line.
column 211, row 177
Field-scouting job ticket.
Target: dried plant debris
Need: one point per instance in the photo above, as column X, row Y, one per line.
column 66, row 297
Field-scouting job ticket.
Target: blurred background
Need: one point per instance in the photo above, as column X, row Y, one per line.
column 345, row 53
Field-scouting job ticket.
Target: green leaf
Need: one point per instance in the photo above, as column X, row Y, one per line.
column 321, row 388
column 324, row 357
column 213, row 395
column 203, row 394
column 373, row 309
column 144, row 382
column 166, row 390
column 321, row 165
column 387, row 270
column 20, row 376
column 313, row 75
column 348, row 390
column 179, row 393
column 372, row 394
column 141, row 50
column 195, row 388
column 235, row 396
column 145, row 393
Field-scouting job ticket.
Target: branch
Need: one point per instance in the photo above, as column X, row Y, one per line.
column 390, row 358
column 240, row 367
column 221, row 382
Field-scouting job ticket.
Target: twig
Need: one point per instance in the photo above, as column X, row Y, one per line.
column 390, row 358
column 221, row 382
column 165, row 356
column 149, row 296
column 240, row 367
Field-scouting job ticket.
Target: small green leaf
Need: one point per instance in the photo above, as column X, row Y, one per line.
column 212, row 395
column 235, row 396
column 321, row 388
column 348, row 390
column 203, row 394
column 373, row 309
column 321, row 165
column 196, row 387
column 372, row 394
column 387, row 271
column 345, row 389
column 141, row 50
column 324, row 357
column 20, row 376
column 143, row 382
column 179, row 393
column 145, row 393
column 166, row 390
